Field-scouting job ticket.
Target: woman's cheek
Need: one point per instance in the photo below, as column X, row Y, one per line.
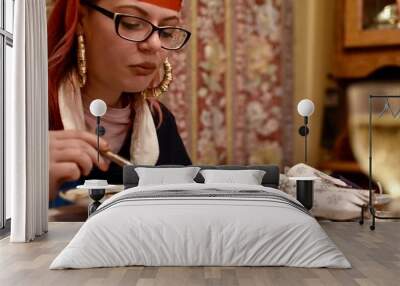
column 164, row 54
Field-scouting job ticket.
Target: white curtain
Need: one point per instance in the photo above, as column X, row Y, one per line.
column 27, row 124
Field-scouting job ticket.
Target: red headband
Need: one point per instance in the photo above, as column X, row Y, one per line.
column 170, row 4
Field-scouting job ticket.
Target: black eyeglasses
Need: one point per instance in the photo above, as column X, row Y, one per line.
column 137, row 29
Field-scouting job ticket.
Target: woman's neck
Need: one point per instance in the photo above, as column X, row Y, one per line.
column 112, row 97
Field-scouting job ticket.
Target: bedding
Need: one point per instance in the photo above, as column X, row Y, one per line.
column 247, row 177
column 201, row 225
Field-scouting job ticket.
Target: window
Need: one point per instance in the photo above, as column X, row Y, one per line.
column 6, row 64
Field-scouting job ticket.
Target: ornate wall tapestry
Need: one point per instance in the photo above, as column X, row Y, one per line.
column 232, row 93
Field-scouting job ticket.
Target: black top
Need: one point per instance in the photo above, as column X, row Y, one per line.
column 172, row 149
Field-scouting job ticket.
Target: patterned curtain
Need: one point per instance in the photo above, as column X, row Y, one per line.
column 232, row 93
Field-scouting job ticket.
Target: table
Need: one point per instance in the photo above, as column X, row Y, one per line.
column 305, row 190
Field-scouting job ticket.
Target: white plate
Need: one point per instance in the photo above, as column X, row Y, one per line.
column 81, row 196
column 96, row 187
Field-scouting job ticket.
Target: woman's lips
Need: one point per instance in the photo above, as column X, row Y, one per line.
column 143, row 69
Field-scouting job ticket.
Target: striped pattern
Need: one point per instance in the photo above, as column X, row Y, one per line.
column 209, row 194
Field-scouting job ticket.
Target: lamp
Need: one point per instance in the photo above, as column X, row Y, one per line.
column 98, row 108
column 96, row 188
column 305, row 185
column 305, row 108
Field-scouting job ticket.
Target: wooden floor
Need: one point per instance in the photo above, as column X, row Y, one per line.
column 375, row 257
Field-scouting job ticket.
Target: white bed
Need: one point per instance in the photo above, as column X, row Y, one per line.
column 248, row 226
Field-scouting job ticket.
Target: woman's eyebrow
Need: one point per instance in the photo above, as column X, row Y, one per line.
column 138, row 9
column 172, row 18
column 146, row 14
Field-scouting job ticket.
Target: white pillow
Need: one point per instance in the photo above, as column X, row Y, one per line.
column 248, row 177
column 162, row 176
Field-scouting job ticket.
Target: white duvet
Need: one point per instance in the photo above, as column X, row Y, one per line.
column 202, row 231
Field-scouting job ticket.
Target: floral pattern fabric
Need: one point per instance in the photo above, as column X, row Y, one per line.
column 232, row 89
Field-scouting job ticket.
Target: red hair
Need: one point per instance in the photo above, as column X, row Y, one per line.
column 61, row 32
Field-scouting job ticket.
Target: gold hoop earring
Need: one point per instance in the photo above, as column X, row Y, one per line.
column 81, row 54
column 163, row 86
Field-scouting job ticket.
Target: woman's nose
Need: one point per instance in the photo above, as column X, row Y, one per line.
column 152, row 44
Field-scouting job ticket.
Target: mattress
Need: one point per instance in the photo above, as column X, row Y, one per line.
column 201, row 225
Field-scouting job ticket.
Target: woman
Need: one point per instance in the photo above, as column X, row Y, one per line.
column 114, row 50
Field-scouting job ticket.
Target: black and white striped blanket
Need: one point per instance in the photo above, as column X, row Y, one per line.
column 205, row 194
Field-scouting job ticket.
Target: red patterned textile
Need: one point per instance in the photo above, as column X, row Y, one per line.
column 232, row 90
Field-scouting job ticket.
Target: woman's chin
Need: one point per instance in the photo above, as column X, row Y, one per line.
column 137, row 87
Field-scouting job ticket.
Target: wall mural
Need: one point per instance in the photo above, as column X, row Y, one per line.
column 232, row 89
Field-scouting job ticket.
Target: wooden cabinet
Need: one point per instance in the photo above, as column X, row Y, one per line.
column 362, row 46
column 361, row 29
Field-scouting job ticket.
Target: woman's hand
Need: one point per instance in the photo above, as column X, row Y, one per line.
column 72, row 154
